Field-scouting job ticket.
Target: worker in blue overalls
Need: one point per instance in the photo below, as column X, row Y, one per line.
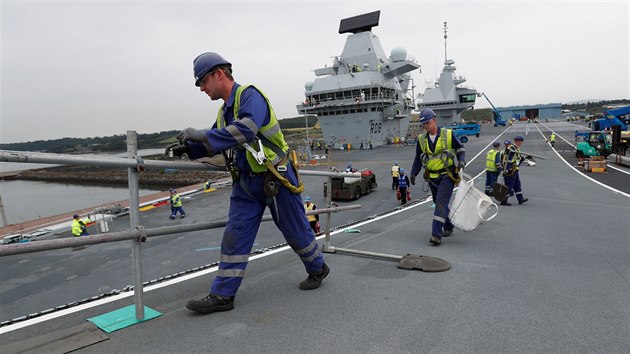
column 513, row 160
column 436, row 151
column 493, row 166
column 403, row 185
column 248, row 135
column 176, row 205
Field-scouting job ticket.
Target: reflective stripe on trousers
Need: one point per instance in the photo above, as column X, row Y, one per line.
column 243, row 223
column 441, row 191
column 514, row 183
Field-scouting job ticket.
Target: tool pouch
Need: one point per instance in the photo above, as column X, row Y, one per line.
column 453, row 174
column 426, row 174
column 235, row 174
column 272, row 185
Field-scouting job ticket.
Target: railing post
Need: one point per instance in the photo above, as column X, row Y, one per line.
column 134, row 216
column 327, row 246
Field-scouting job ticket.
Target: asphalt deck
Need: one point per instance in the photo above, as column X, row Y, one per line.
column 551, row 275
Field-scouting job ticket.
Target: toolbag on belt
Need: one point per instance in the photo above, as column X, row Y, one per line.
column 278, row 172
column 451, row 172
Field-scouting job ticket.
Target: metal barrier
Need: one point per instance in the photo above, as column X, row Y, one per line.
column 138, row 234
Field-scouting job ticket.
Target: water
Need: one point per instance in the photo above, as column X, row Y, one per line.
column 29, row 200
column 18, row 166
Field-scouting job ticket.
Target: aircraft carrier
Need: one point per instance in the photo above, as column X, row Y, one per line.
column 365, row 97
column 551, row 275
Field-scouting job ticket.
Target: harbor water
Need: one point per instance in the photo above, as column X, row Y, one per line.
column 29, row 200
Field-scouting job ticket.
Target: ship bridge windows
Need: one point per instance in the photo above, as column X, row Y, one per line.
column 357, row 95
column 467, row 98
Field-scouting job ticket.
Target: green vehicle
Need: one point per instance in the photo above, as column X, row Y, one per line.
column 590, row 144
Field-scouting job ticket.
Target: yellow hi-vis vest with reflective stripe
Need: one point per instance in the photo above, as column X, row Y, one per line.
column 395, row 171
column 490, row 157
column 271, row 131
column 176, row 200
column 309, row 208
column 443, row 155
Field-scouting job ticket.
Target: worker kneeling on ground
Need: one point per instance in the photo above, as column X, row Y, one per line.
column 436, row 151
column 313, row 220
column 248, row 134
column 79, row 226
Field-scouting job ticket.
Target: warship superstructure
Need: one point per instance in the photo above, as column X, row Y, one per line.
column 445, row 97
column 364, row 98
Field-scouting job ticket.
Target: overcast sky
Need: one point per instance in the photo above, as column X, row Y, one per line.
column 97, row 68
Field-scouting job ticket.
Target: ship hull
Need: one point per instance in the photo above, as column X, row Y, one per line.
column 366, row 128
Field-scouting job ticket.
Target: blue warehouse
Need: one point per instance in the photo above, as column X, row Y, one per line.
column 542, row 111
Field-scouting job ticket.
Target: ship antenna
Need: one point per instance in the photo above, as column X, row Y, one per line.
column 445, row 28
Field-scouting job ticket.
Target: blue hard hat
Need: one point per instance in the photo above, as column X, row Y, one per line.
column 519, row 138
column 426, row 115
column 307, row 199
column 396, row 163
column 507, row 142
column 496, row 143
column 206, row 62
column 172, row 190
column 402, row 170
column 75, row 216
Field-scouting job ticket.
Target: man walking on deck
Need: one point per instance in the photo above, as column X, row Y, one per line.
column 493, row 166
column 248, row 135
column 403, row 186
column 436, row 150
column 176, row 205
column 395, row 175
column 513, row 160
column 552, row 139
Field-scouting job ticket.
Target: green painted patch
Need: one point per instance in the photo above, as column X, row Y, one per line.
column 121, row 318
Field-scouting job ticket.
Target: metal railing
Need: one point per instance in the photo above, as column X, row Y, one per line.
column 137, row 233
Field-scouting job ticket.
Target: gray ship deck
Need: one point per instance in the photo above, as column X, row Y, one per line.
column 551, row 275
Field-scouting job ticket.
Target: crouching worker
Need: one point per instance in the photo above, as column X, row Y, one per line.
column 79, row 226
column 248, row 135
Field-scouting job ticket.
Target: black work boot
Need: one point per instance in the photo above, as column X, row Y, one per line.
column 435, row 240
column 505, row 202
column 523, row 201
column 447, row 233
column 211, row 303
column 314, row 280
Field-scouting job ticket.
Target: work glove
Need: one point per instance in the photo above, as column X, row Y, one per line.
column 178, row 150
column 460, row 166
column 413, row 180
column 191, row 134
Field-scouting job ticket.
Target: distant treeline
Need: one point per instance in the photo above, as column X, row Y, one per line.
column 595, row 107
column 119, row 142
column 161, row 139
column 95, row 144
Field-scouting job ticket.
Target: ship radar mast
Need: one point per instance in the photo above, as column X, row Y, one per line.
column 445, row 56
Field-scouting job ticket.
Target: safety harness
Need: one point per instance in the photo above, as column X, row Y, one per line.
column 277, row 167
column 445, row 155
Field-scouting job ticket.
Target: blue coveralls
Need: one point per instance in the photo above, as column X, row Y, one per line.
column 247, row 207
column 403, row 184
column 441, row 187
column 513, row 182
column 176, row 200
